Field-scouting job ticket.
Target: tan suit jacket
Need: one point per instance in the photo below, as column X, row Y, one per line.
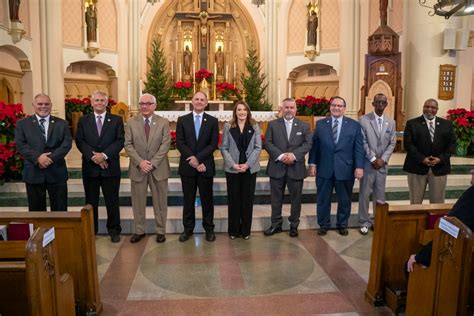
column 155, row 150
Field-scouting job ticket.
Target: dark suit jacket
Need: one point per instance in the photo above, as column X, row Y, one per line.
column 418, row 145
column 31, row 144
column 110, row 142
column 203, row 148
column 339, row 159
column 463, row 210
column 277, row 143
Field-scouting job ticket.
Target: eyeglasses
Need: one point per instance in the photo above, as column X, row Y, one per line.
column 146, row 103
column 380, row 102
column 337, row 105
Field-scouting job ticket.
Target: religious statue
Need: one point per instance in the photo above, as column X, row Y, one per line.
column 91, row 22
column 187, row 60
column 14, row 10
column 312, row 29
column 203, row 17
column 383, row 4
column 220, row 61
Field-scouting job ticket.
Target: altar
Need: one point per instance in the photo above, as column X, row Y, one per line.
column 212, row 105
column 222, row 116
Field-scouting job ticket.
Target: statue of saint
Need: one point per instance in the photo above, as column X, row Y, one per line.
column 220, row 62
column 187, row 60
column 203, row 17
column 312, row 29
column 14, row 10
column 91, row 22
column 383, row 4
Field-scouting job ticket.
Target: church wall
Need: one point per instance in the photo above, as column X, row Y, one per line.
column 72, row 23
column 4, row 14
column 330, row 24
column 297, row 20
column 107, row 24
column 25, row 16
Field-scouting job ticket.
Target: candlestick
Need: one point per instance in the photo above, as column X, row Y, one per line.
column 226, row 72
column 128, row 96
column 172, row 72
column 180, row 72
column 141, row 87
column 235, row 73
column 289, row 89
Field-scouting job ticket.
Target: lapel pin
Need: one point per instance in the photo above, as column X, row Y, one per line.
column 52, row 121
column 205, row 119
column 108, row 120
column 154, row 123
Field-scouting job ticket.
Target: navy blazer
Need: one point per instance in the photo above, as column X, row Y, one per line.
column 31, row 144
column 341, row 159
column 203, row 147
column 110, row 142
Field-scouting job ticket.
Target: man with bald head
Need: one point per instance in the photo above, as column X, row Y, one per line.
column 429, row 142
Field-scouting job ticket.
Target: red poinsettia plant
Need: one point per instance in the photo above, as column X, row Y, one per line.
column 202, row 74
column 312, row 106
column 463, row 124
column 226, row 89
column 82, row 105
column 11, row 162
column 183, row 89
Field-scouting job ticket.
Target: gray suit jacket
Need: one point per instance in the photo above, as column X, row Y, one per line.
column 155, row 149
column 277, row 143
column 231, row 153
column 376, row 144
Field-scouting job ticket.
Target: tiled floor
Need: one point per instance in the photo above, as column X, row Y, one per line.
column 278, row 275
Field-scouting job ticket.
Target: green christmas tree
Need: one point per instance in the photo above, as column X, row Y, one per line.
column 254, row 83
column 158, row 81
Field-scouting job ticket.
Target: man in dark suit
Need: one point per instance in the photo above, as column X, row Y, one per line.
column 287, row 140
column 336, row 159
column 44, row 140
column 429, row 143
column 197, row 135
column 100, row 138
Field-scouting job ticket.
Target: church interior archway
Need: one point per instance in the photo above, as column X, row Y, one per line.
column 319, row 80
column 84, row 77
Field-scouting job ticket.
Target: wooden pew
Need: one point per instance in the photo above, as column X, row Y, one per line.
column 33, row 285
column 399, row 231
column 76, row 248
column 443, row 288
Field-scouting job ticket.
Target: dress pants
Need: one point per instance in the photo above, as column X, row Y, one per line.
column 190, row 186
column 240, row 194
column 417, row 185
column 277, row 188
column 36, row 194
column 110, row 189
column 323, row 201
column 159, row 195
column 373, row 182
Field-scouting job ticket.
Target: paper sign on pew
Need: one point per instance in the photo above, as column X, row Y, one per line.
column 449, row 228
column 48, row 236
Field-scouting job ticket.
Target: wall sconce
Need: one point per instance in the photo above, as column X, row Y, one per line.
column 447, row 8
column 152, row 1
column 258, row 2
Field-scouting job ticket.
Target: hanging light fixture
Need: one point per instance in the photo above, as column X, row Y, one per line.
column 152, row 1
column 258, row 2
column 447, row 8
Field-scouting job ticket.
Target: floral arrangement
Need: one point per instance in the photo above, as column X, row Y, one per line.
column 463, row 124
column 312, row 106
column 202, row 74
column 11, row 162
column 173, row 139
column 183, row 89
column 81, row 105
column 226, row 89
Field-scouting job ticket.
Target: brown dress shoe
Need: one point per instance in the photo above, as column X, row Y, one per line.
column 160, row 238
column 136, row 238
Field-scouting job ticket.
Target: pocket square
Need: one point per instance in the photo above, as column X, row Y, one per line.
column 299, row 133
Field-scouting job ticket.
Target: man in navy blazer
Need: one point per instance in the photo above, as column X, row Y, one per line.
column 428, row 156
column 44, row 140
column 197, row 136
column 336, row 159
column 100, row 138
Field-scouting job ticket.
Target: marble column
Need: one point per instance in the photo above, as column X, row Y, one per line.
column 52, row 68
column 271, row 50
column 424, row 54
column 134, row 53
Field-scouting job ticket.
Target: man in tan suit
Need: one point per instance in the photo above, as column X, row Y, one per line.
column 147, row 141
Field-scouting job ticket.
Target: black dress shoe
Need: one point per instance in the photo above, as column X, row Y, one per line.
column 293, row 232
column 115, row 238
column 343, row 231
column 136, row 238
column 322, row 232
column 184, row 236
column 210, row 236
column 160, row 238
column 272, row 230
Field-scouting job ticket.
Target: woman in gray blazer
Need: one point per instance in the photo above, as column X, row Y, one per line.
column 241, row 146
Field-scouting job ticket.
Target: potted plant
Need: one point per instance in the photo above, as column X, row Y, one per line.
column 203, row 74
column 312, row 106
column 183, row 89
column 226, row 90
column 463, row 125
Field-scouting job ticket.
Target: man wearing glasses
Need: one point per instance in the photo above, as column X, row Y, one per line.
column 147, row 141
column 378, row 137
column 336, row 159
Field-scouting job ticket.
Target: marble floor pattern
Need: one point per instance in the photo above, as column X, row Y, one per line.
column 277, row 275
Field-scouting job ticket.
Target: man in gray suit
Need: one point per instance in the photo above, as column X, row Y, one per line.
column 147, row 141
column 287, row 140
column 378, row 132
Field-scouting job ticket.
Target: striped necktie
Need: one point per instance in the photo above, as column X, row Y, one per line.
column 334, row 130
column 147, row 128
column 432, row 131
column 42, row 127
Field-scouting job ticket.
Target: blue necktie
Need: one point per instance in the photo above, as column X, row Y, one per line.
column 334, row 130
column 197, row 125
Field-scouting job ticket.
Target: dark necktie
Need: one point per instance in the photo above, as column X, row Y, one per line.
column 334, row 130
column 147, row 128
column 42, row 127
column 431, row 128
